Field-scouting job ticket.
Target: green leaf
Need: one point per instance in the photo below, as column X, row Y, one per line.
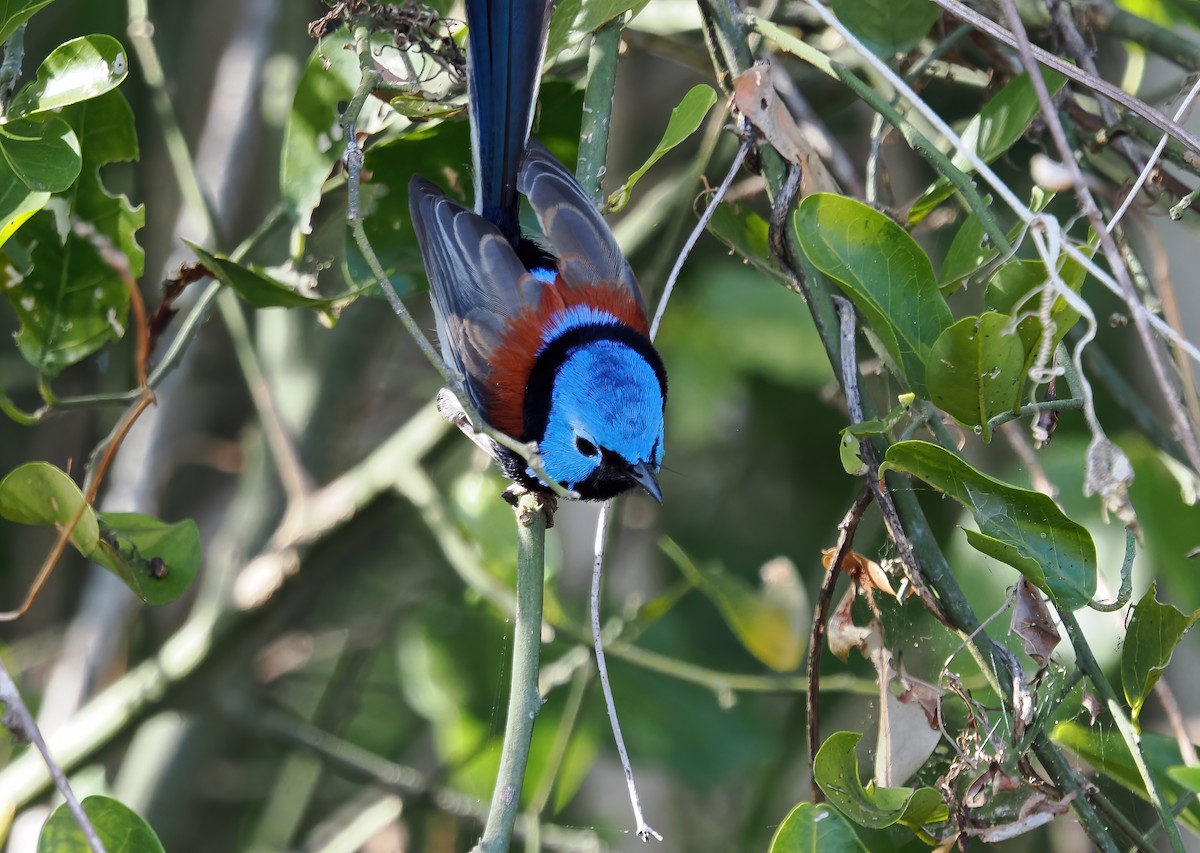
column 81, row 69
column 69, row 299
column 1023, row 528
column 262, row 290
column 312, row 142
column 1187, row 777
column 574, row 19
column 887, row 26
column 883, row 271
column 13, row 13
column 37, row 493
column 969, row 252
column 121, row 829
column 1106, row 750
column 835, row 769
column 1016, row 280
column 976, row 369
column 1002, row 121
column 815, row 829
column 685, row 120
column 747, row 234
column 1155, row 629
column 848, row 445
column 42, row 153
column 763, row 627
column 157, row 560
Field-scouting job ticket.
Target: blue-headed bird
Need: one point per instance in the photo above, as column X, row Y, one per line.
column 550, row 336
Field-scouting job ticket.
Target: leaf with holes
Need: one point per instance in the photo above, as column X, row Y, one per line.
column 1155, row 629
column 975, row 370
column 70, row 299
column 121, row 829
column 79, row 70
column 1022, row 528
column 883, row 271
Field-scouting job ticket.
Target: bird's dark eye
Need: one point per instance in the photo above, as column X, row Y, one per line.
column 584, row 446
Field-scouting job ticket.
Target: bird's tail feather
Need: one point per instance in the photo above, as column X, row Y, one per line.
column 505, row 48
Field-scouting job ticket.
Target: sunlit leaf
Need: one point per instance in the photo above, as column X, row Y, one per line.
column 835, row 769
column 765, row 628
column 883, row 271
column 1155, row 629
column 37, row 493
column 82, row 68
column 1106, row 750
column 121, row 829
column 812, row 828
column 1022, row 528
column 685, row 120
column 887, row 26
column 574, row 19
column 1000, row 123
column 157, row 560
column 975, row 370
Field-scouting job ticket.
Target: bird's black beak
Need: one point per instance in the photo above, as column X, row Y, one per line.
column 644, row 476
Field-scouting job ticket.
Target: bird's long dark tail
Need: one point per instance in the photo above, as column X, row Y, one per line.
column 505, row 48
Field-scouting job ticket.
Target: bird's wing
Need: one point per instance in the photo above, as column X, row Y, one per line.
column 476, row 280
column 587, row 251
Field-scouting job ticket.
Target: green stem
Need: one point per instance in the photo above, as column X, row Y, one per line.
column 524, row 700
column 1091, row 668
column 1172, row 45
column 597, row 107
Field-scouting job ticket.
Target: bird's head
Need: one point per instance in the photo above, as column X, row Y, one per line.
column 604, row 426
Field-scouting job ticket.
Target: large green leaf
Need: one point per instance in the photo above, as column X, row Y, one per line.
column 887, row 26
column 835, row 769
column 1155, row 629
column 40, row 494
column 81, row 69
column 574, row 19
column 157, row 560
column 1023, row 528
column 883, row 271
column 13, row 13
column 1106, row 750
column 810, row 828
column 685, row 120
column 1002, row 121
column 121, row 829
column 69, row 299
column 764, row 627
column 976, row 369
